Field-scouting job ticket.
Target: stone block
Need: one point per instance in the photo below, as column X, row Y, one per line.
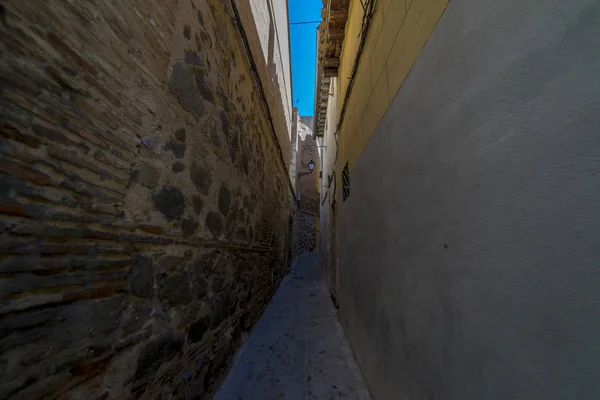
column 177, row 167
column 201, row 177
column 146, row 175
column 188, row 227
column 178, row 149
column 198, row 203
column 141, row 278
column 183, row 88
column 175, row 288
column 214, row 223
column 153, row 355
column 180, row 134
column 197, row 329
column 170, row 201
column 224, row 200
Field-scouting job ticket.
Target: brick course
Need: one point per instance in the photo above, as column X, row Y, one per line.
column 144, row 208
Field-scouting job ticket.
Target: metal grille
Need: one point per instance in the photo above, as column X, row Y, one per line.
column 345, row 182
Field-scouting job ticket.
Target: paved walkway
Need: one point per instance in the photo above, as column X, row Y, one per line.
column 298, row 350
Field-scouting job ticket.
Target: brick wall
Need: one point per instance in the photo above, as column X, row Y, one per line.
column 144, row 205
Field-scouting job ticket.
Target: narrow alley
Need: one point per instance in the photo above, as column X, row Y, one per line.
column 298, row 349
column 299, row 199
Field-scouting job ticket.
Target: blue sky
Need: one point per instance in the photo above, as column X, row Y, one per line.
column 303, row 40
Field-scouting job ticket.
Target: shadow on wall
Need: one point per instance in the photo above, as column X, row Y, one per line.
column 307, row 216
column 145, row 207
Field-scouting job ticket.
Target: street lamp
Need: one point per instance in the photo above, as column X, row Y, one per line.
column 311, row 168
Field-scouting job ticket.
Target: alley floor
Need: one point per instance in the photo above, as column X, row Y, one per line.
column 298, row 350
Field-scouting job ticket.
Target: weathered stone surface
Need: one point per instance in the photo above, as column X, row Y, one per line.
column 223, row 309
column 245, row 163
column 199, row 285
column 306, row 232
column 169, row 263
column 224, row 123
column 193, row 58
column 175, row 288
column 141, row 279
column 188, row 226
column 197, row 329
column 182, row 86
column 153, row 355
column 136, row 315
column 252, row 204
column 230, row 226
column 224, row 200
column 200, row 18
column 198, row 203
column 201, row 177
column 180, row 134
column 214, row 222
column 151, row 141
column 178, row 149
column 204, row 87
column 204, row 263
column 169, row 201
column 146, row 175
column 177, row 167
column 112, row 142
column 224, row 99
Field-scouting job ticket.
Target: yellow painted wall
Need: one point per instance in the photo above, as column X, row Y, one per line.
column 399, row 30
column 349, row 48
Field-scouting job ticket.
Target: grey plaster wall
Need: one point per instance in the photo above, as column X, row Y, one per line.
column 471, row 239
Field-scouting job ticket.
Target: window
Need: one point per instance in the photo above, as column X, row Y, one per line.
column 345, row 182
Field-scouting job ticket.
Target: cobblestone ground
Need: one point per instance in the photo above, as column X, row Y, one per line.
column 298, row 350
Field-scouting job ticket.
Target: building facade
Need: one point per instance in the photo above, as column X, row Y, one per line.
column 307, row 188
column 146, row 204
column 459, row 201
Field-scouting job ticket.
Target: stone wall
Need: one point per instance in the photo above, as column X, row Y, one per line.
column 144, row 204
column 308, row 184
column 306, row 234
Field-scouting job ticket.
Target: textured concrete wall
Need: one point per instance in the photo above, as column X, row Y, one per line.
column 144, row 203
column 470, row 240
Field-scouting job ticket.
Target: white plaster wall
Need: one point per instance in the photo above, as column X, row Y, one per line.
column 274, row 14
column 328, row 152
column 280, row 10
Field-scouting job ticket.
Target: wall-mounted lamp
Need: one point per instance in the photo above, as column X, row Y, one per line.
column 311, row 168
